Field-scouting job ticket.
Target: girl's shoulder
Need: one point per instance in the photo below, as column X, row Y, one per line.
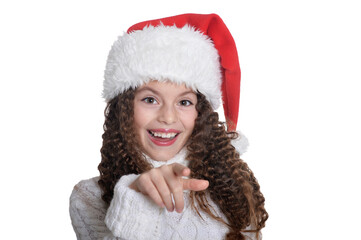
column 87, row 193
column 88, row 210
column 88, row 186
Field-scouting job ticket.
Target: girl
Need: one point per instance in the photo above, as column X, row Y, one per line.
column 170, row 169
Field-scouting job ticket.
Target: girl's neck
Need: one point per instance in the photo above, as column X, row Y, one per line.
column 178, row 158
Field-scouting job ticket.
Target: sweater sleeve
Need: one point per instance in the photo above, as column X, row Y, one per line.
column 87, row 211
column 132, row 215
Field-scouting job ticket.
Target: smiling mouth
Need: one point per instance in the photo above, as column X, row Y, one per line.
column 163, row 138
column 163, row 135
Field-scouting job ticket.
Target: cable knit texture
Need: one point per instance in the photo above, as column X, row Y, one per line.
column 132, row 215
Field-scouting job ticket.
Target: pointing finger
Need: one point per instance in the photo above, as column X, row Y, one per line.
column 195, row 184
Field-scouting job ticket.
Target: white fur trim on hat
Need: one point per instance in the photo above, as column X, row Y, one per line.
column 164, row 53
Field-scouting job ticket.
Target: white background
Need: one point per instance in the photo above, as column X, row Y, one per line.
column 300, row 107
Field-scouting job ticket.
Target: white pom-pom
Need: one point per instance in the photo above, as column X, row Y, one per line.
column 240, row 143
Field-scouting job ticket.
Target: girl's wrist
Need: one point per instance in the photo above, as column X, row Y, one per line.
column 133, row 186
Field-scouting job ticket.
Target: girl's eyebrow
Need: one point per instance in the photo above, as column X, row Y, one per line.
column 149, row 89
column 156, row 92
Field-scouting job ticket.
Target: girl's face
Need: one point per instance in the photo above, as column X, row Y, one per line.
column 164, row 116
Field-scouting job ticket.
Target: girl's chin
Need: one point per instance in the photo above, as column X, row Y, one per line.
column 162, row 155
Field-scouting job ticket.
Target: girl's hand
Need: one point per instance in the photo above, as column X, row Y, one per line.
column 163, row 182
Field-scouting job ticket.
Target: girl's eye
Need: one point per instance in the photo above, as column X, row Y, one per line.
column 185, row 103
column 149, row 100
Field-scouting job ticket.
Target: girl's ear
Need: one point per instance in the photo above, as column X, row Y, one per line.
column 240, row 143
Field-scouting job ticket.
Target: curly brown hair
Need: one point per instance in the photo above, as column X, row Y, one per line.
column 120, row 152
column 232, row 185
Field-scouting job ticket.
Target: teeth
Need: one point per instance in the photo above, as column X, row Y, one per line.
column 163, row 135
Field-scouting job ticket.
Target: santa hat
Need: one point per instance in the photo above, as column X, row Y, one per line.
column 195, row 49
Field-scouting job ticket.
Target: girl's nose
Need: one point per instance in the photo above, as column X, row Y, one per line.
column 168, row 114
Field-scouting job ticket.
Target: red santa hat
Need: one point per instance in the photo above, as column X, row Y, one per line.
column 192, row 49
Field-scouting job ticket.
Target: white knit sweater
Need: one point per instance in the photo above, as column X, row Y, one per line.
column 132, row 215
